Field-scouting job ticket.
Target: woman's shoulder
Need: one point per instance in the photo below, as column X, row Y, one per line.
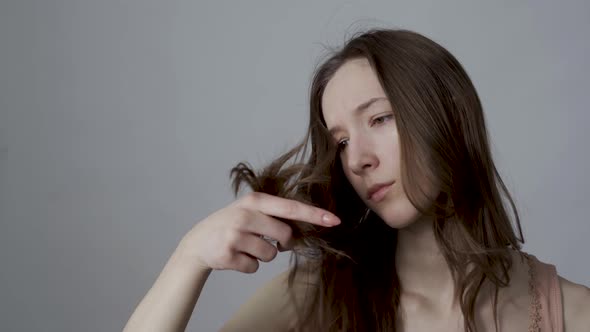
column 272, row 307
column 576, row 305
column 567, row 301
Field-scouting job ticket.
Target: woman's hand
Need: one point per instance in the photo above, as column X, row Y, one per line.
column 231, row 238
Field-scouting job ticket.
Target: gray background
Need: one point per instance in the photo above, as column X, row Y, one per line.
column 120, row 120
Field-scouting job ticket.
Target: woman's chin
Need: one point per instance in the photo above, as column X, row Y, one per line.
column 398, row 218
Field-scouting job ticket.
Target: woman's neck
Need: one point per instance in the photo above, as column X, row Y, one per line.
column 422, row 270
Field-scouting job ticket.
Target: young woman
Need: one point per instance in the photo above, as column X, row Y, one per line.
column 395, row 220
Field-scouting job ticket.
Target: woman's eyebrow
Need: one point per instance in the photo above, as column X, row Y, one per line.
column 363, row 106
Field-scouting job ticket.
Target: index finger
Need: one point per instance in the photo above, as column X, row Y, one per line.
column 289, row 209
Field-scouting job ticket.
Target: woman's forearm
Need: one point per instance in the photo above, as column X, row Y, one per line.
column 169, row 303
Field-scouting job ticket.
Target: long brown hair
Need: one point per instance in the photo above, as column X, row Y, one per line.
column 444, row 142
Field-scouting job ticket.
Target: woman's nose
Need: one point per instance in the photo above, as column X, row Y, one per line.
column 361, row 157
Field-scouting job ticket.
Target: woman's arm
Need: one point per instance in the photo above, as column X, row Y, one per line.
column 168, row 305
column 231, row 238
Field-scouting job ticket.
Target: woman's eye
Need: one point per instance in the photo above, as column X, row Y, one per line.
column 340, row 144
column 382, row 119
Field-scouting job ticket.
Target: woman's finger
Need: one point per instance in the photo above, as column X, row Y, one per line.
column 257, row 247
column 288, row 209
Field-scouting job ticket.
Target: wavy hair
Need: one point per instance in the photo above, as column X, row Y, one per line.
column 443, row 142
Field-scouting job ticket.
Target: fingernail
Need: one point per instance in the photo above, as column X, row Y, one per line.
column 330, row 220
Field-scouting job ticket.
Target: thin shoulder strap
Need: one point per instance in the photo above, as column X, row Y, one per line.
column 546, row 311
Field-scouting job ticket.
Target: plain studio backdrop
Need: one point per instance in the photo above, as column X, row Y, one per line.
column 120, row 121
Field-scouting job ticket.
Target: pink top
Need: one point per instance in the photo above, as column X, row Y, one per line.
column 546, row 306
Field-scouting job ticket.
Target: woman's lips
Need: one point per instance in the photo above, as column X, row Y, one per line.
column 380, row 194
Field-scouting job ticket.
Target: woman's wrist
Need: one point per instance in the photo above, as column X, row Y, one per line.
column 186, row 258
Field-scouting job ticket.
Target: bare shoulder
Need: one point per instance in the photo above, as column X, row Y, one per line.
column 576, row 305
column 272, row 307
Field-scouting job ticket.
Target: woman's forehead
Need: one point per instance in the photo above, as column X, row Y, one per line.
column 354, row 84
column 356, row 112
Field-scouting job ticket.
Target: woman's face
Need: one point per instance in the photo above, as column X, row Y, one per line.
column 368, row 139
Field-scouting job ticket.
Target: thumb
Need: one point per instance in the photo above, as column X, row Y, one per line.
column 293, row 244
